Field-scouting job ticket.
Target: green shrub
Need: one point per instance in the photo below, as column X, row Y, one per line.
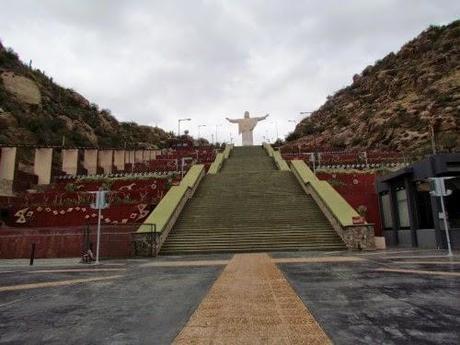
column 292, row 136
column 342, row 120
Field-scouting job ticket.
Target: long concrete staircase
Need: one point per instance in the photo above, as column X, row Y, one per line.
column 250, row 206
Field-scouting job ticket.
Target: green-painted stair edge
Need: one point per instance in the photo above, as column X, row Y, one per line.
column 268, row 148
column 227, row 150
column 164, row 211
column 219, row 160
column 339, row 207
column 276, row 155
column 280, row 162
column 336, row 209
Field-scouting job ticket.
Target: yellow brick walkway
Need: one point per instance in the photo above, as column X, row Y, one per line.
column 252, row 303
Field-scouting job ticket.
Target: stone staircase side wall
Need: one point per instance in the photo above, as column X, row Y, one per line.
column 144, row 244
column 359, row 236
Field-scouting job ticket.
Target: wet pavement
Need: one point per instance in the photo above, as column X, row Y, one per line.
column 135, row 305
column 386, row 297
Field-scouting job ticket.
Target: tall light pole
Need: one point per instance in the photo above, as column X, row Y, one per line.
column 276, row 128
column 433, row 138
column 267, row 136
column 178, row 124
column 199, row 126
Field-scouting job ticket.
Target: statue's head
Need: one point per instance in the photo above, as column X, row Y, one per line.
column 246, row 114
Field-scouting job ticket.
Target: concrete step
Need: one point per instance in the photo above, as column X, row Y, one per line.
column 256, row 231
column 249, row 249
column 276, row 226
column 230, row 224
column 249, row 244
column 253, row 232
column 247, row 240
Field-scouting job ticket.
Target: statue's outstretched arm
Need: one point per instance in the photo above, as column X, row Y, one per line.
column 231, row 120
column 262, row 117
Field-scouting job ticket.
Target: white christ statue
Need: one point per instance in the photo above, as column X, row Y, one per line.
column 246, row 126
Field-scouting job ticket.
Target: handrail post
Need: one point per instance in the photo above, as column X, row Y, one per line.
column 153, row 239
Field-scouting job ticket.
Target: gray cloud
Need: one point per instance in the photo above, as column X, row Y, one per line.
column 154, row 61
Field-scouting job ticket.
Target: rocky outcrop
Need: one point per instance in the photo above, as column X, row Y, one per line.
column 395, row 103
column 35, row 110
column 24, row 89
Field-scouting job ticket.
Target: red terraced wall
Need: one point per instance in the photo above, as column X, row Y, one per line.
column 348, row 157
column 118, row 185
column 60, row 217
column 357, row 189
column 68, row 242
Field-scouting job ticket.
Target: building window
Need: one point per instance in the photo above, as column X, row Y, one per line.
column 423, row 202
column 386, row 209
column 403, row 209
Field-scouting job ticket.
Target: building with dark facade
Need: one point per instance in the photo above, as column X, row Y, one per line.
column 410, row 214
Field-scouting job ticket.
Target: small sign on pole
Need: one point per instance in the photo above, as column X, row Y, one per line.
column 99, row 204
column 438, row 189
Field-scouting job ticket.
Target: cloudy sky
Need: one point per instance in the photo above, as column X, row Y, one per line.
column 156, row 61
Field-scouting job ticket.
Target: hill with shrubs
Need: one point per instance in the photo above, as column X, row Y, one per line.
column 396, row 104
column 35, row 110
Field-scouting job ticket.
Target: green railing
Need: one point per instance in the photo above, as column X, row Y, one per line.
column 269, row 149
column 336, row 204
column 193, row 176
column 217, row 164
column 173, row 201
column 227, row 150
column 279, row 161
column 219, row 160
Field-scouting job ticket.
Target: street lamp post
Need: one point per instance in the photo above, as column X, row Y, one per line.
column 178, row 124
column 276, row 128
column 199, row 126
column 433, row 138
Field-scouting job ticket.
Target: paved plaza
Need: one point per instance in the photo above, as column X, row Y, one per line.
column 388, row 297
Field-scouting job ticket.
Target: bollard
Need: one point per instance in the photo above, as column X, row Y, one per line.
column 32, row 255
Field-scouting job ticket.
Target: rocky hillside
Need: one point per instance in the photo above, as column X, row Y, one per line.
column 393, row 104
column 35, row 110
